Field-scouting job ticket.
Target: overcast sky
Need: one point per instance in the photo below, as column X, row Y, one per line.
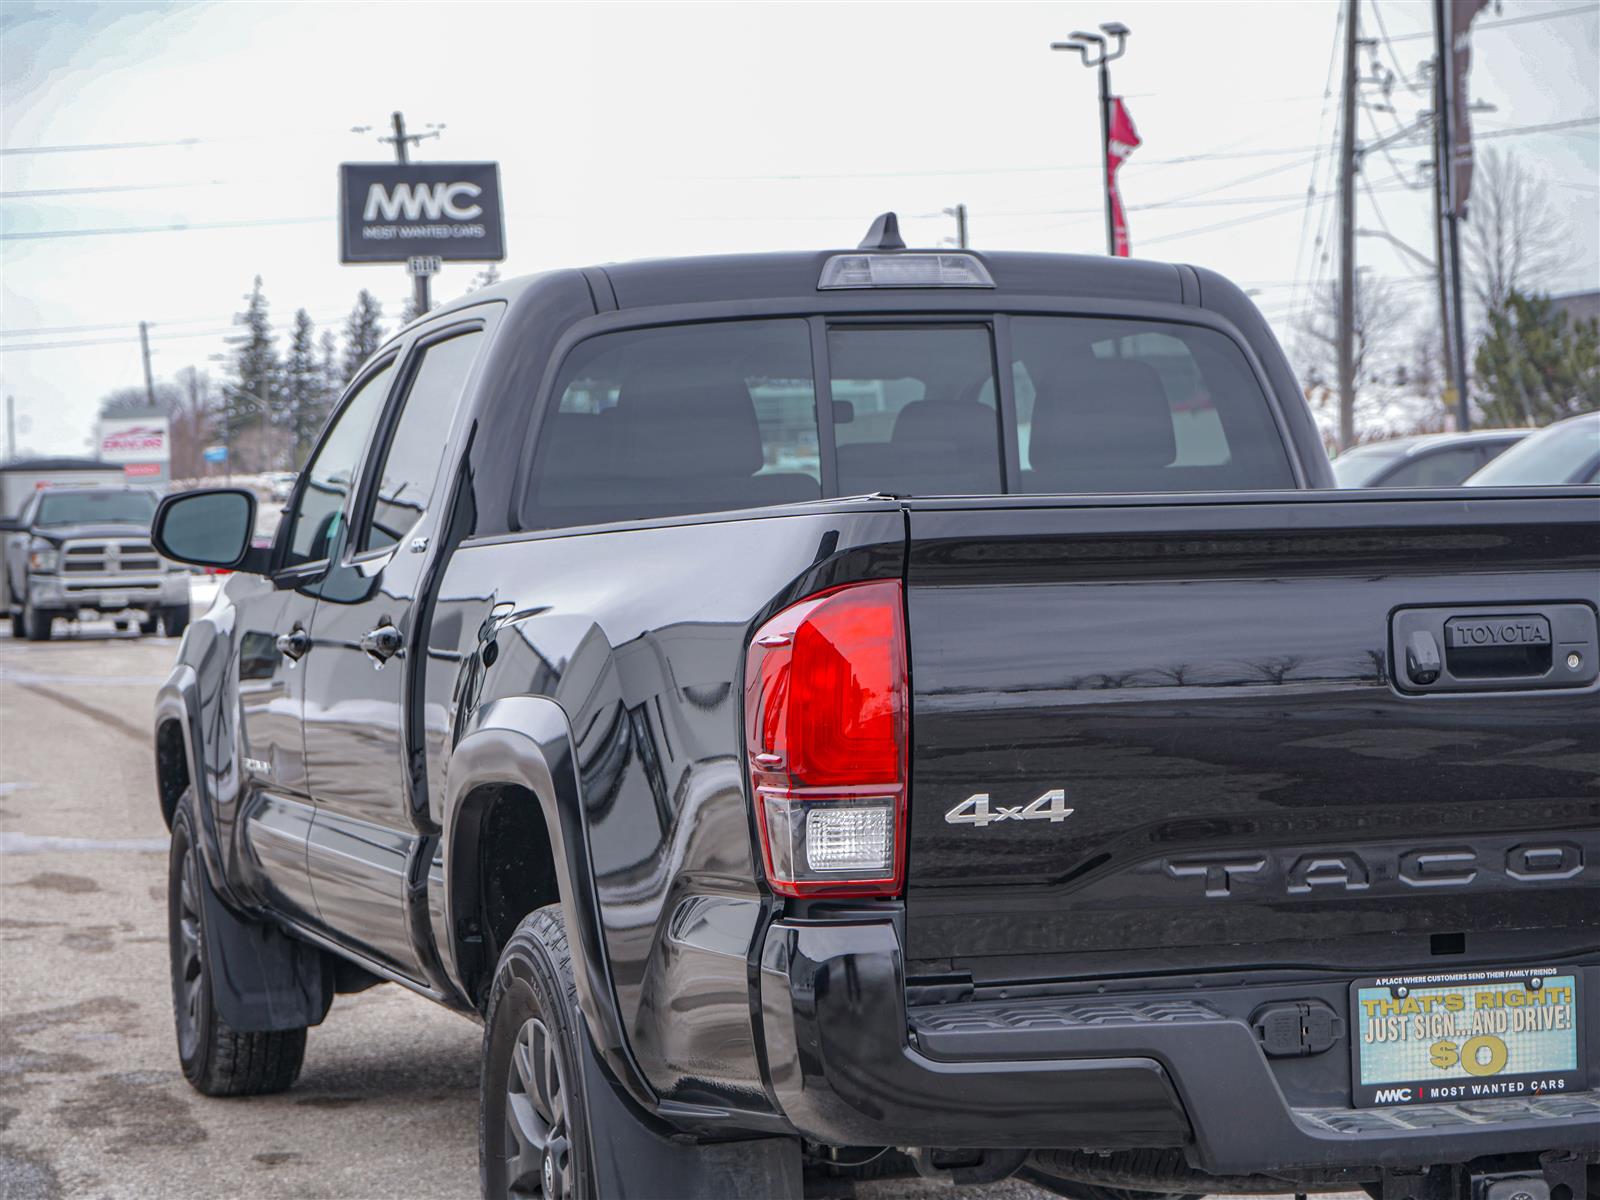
column 663, row 129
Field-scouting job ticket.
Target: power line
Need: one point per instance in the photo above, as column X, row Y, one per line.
column 34, row 193
column 1220, row 225
column 1388, row 44
column 183, row 227
column 1580, row 10
column 284, row 325
column 193, row 141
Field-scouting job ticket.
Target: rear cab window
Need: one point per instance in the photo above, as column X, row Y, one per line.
column 723, row 415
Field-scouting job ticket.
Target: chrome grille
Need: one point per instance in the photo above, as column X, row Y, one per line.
column 109, row 556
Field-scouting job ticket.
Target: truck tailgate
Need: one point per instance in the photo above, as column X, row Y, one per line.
column 1163, row 734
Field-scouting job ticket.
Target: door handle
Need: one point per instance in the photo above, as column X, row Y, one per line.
column 293, row 645
column 383, row 643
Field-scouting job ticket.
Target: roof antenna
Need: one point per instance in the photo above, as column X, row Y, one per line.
column 884, row 234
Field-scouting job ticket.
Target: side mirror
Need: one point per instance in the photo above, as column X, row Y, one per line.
column 10, row 525
column 210, row 528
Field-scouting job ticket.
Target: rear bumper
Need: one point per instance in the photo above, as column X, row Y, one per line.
column 850, row 1066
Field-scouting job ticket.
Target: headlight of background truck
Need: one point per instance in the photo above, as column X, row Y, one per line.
column 42, row 556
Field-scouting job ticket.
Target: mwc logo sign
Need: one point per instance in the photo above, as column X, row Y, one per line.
column 392, row 212
column 414, row 202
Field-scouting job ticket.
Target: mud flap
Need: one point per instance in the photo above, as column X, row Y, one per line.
column 261, row 978
column 635, row 1156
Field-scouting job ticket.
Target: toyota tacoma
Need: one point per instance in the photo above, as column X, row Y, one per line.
column 831, row 712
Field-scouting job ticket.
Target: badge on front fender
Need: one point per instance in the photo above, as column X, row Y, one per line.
column 976, row 810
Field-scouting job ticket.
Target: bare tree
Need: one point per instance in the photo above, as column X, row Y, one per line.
column 1513, row 237
column 1380, row 317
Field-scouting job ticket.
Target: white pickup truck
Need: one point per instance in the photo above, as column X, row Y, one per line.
column 86, row 550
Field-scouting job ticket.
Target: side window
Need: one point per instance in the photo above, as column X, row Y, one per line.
column 1442, row 468
column 914, row 410
column 314, row 523
column 681, row 419
column 411, row 460
column 1124, row 406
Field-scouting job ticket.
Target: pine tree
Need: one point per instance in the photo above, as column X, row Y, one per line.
column 332, row 372
column 1536, row 365
column 304, row 391
column 253, row 393
column 363, row 333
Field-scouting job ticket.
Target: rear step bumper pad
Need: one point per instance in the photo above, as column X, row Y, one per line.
column 849, row 1065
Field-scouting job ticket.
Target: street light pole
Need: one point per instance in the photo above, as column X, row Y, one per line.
column 1102, row 57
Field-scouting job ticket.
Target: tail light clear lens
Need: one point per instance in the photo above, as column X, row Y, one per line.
column 826, row 718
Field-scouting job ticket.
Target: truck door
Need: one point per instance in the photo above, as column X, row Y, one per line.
column 274, row 637
column 359, row 671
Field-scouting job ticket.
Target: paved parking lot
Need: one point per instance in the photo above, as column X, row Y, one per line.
column 91, row 1100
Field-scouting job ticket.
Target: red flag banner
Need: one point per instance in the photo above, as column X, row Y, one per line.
column 1461, row 14
column 1124, row 140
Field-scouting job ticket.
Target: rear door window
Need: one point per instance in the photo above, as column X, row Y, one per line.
column 1130, row 406
column 681, row 419
column 914, row 410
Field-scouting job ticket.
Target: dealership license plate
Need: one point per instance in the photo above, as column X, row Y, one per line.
column 1443, row 1037
column 113, row 600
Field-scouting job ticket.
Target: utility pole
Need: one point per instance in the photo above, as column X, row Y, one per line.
column 959, row 212
column 1450, row 208
column 1441, row 269
column 11, row 428
column 1347, row 235
column 144, row 347
column 402, row 143
column 1103, row 56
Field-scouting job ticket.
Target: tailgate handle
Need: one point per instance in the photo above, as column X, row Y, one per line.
column 1514, row 647
column 1519, row 647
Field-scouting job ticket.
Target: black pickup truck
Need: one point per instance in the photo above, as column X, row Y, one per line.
column 828, row 710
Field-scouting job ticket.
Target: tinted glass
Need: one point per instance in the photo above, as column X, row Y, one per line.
column 411, row 462
column 67, row 507
column 914, row 410
column 1440, row 468
column 314, row 523
column 1133, row 406
column 1562, row 453
column 685, row 419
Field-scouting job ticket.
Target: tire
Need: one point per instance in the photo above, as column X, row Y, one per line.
column 150, row 623
column 532, row 1128
column 35, row 624
column 17, row 628
column 174, row 620
column 215, row 1060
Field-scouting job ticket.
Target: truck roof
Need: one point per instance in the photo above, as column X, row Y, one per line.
column 735, row 277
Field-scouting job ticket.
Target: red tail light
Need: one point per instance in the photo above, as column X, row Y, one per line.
column 826, row 719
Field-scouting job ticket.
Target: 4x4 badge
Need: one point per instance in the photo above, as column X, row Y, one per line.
column 975, row 810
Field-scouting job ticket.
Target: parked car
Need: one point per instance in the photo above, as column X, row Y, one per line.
column 1425, row 460
column 280, row 485
column 1566, row 452
column 1022, row 756
column 86, row 551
